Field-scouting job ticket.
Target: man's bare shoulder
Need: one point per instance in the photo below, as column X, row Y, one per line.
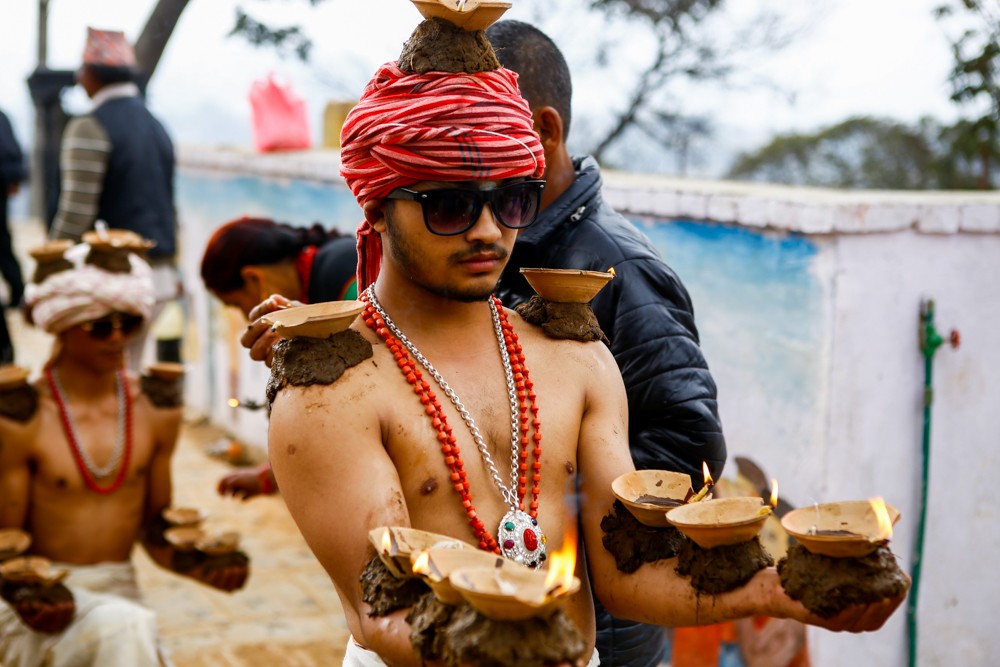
column 568, row 354
column 359, row 387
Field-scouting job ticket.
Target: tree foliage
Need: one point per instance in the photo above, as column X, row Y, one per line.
column 284, row 40
column 975, row 81
column 864, row 153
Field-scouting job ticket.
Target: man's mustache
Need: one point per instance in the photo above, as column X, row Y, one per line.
column 481, row 249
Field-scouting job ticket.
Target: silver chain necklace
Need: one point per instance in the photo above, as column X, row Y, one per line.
column 513, row 541
column 116, row 456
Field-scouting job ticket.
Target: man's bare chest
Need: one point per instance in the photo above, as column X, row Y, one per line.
column 67, row 451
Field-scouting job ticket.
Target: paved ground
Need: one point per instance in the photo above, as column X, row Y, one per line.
column 288, row 614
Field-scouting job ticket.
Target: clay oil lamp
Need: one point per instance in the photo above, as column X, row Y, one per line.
column 517, row 593
column 195, row 538
column 183, row 538
column 112, row 239
column 162, row 383
column 50, row 258
column 849, row 529
column 13, row 377
column 13, row 542
column 650, row 494
column 842, row 556
column 184, row 516
column 470, row 15
column 723, row 550
column 397, row 547
column 167, row 371
column 636, row 530
column 436, row 564
column 317, row 320
column 50, row 250
column 566, row 285
column 490, row 610
column 720, row 521
column 32, row 570
column 217, row 543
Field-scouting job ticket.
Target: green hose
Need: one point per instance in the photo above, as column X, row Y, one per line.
column 930, row 341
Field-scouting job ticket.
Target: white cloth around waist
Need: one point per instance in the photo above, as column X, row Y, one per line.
column 356, row 655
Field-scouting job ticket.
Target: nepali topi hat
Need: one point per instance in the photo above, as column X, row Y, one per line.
column 108, row 48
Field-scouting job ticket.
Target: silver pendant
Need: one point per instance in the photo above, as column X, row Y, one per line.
column 521, row 539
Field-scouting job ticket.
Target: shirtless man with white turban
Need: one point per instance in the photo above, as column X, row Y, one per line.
column 86, row 472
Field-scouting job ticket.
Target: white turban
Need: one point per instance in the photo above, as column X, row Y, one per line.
column 87, row 292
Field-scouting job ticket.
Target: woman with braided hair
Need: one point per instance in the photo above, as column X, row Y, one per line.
column 250, row 259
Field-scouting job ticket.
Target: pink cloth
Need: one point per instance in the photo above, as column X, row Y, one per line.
column 86, row 292
column 436, row 126
column 108, row 48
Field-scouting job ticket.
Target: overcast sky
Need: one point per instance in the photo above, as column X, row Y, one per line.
column 878, row 57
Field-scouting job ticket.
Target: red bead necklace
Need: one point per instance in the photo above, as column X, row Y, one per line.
column 125, row 403
column 528, row 408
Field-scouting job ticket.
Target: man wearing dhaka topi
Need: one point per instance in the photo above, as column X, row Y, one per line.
column 85, row 471
column 466, row 418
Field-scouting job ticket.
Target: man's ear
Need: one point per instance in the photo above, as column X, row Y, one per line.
column 374, row 210
column 549, row 126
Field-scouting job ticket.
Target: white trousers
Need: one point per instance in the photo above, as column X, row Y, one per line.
column 111, row 627
column 356, row 655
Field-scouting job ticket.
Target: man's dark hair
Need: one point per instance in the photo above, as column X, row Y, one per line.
column 543, row 74
column 108, row 75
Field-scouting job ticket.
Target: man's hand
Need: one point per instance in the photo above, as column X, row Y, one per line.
column 43, row 609
column 246, row 483
column 258, row 337
column 226, row 572
column 859, row 618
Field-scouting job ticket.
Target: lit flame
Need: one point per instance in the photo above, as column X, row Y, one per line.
column 611, row 270
column 774, row 493
column 234, row 402
column 386, row 542
column 422, row 564
column 882, row 516
column 562, row 563
column 709, row 483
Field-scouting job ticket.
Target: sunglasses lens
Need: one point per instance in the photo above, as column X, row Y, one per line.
column 130, row 324
column 101, row 329
column 516, row 205
column 450, row 211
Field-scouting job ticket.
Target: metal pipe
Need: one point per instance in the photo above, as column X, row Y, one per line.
column 930, row 341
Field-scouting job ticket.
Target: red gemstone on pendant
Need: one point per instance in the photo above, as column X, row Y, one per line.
column 530, row 539
column 508, row 544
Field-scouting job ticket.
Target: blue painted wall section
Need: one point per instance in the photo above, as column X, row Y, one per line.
column 759, row 307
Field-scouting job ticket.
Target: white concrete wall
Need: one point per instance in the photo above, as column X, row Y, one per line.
column 877, row 254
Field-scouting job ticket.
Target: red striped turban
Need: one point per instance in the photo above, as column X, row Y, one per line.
column 438, row 126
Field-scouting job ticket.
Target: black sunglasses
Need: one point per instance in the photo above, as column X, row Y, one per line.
column 101, row 329
column 451, row 211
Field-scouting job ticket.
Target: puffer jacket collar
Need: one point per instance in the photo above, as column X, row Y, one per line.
column 582, row 196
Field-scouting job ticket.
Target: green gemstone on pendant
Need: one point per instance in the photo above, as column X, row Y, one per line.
column 509, row 525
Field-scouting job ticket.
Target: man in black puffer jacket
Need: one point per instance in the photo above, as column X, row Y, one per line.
column 645, row 311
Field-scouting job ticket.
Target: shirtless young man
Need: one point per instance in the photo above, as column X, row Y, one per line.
column 87, row 475
column 366, row 451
